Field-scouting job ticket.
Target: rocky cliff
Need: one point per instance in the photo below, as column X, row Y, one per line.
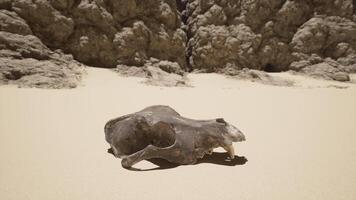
column 38, row 38
column 273, row 35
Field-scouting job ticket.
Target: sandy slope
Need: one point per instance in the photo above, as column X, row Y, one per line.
column 301, row 142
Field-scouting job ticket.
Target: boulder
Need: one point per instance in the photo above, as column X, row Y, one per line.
column 11, row 22
column 27, row 62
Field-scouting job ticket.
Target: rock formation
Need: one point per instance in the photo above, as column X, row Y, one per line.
column 271, row 35
column 26, row 61
column 157, row 73
column 208, row 35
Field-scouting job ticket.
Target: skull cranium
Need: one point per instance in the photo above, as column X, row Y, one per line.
column 160, row 132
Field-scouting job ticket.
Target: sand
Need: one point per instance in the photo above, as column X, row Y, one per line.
column 301, row 141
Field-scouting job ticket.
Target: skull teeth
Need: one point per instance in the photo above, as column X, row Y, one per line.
column 230, row 149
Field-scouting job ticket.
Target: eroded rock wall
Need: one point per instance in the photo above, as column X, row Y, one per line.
column 101, row 33
column 271, row 35
column 104, row 33
column 206, row 35
column 27, row 62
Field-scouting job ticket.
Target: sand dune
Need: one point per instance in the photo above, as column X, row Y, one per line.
column 300, row 140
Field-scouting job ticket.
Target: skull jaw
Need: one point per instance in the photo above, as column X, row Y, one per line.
column 171, row 154
column 176, row 153
column 126, row 163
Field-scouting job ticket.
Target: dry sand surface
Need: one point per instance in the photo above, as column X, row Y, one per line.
column 301, row 141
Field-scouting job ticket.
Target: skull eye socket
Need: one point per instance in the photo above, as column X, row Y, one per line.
column 221, row 120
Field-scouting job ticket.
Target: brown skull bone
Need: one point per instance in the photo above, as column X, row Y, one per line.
column 160, row 132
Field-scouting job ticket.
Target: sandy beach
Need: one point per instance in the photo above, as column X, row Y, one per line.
column 300, row 140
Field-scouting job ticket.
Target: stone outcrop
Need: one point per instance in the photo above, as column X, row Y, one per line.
column 157, row 73
column 271, row 35
column 26, row 61
column 204, row 35
column 106, row 33
column 99, row 33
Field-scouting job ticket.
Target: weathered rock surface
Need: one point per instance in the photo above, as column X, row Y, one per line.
column 257, row 76
column 157, row 73
column 27, row 62
column 205, row 35
column 271, row 35
column 327, row 71
column 106, row 33
column 11, row 22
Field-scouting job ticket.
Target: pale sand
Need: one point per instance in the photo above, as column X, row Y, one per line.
column 301, row 141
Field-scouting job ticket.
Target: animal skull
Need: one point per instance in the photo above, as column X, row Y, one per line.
column 160, row 132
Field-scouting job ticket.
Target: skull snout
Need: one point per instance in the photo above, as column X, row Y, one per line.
column 235, row 134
